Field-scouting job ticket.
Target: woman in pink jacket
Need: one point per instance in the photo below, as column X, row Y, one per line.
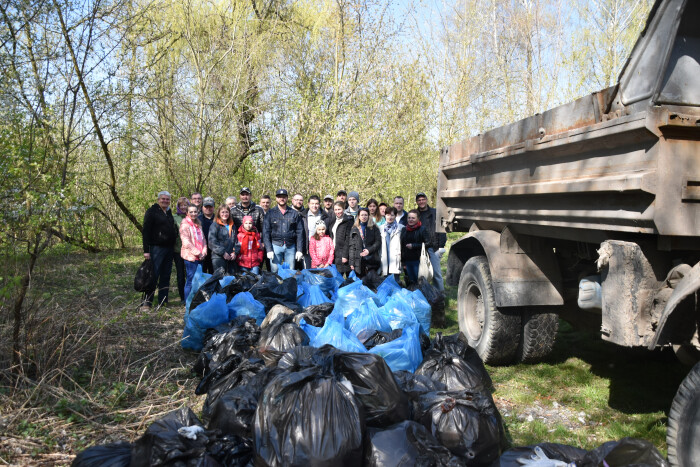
column 194, row 246
column 321, row 247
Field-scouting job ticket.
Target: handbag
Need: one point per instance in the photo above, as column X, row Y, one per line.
column 144, row 276
column 425, row 267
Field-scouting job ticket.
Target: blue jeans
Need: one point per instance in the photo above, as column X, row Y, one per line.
column 412, row 270
column 190, row 269
column 283, row 254
column 437, row 272
column 255, row 270
column 219, row 262
column 162, row 258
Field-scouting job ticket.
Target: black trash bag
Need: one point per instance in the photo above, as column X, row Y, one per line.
column 346, row 282
column 282, row 334
column 321, row 272
column 371, row 338
column 465, row 422
column 553, row 451
column 242, row 283
column 105, row 455
column 144, row 276
column 435, row 298
column 234, row 411
column 239, row 337
column 414, row 385
column 372, row 280
column 374, row 386
column 210, row 287
column 240, row 376
column 627, row 451
column 406, row 443
column 270, row 290
column 303, row 357
column 451, row 360
column 231, row 450
column 308, row 417
column 220, row 371
column 315, row 315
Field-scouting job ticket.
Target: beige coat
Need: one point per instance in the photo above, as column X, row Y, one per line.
column 393, row 266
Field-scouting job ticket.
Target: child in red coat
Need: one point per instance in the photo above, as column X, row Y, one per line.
column 251, row 254
column 321, row 247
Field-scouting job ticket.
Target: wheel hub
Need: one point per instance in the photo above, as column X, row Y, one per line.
column 473, row 312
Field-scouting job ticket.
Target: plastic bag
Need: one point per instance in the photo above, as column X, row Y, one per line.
column 144, row 276
column 239, row 338
column 418, row 305
column 351, row 297
column 465, row 422
column 627, row 451
column 271, row 291
column 436, row 299
column 308, row 418
column 311, row 295
column 324, row 278
column 367, row 316
column 243, row 304
column 161, row 442
column 451, row 360
column 238, row 377
column 284, row 271
column 206, row 287
column 207, row 315
column 425, row 267
column 315, row 315
column 555, row 452
column 370, row 338
column 387, row 288
column 398, row 313
column 311, row 331
column 403, row 353
column 406, row 443
column 282, row 334
column 105, row 455
column 334, row 333
column 241, row 283
column 372, row 280
column 274, row 313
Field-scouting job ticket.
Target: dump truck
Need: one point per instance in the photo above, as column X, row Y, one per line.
column 590, row 212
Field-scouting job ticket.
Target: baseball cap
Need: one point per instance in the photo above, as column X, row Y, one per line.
column 341, row 192
column 245, row 189
column 208, row 201
column 421, row 195
column 281, row 192
column 330, row 197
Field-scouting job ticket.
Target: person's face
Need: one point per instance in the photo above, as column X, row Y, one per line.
column 390, row 217
column 208, row 210
column 328, row 203
column 338, row 211
column 265, row 203
column 341, row 197
column 297, row 201
column 314, row 205
column 197, row 199
column 230, row 202
column 412, row 219
column 352, row 202
column 248, row 225
column 372, row 208
column 398, row 204
column 182, row 206
column 281, row 200
column 164, row 202
column 320, row 231
column 422, row 202
column 382, row 210
column 245, row 198
column 224, row 214
column 363, row 216
column 192, row 212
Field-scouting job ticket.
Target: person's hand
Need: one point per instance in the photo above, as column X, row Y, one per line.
column 233, row 256
column 409, row 246
column 227, row 257
column 352, row 267
column 147, row 255
column 299, row 256
column 270, row 255
column 365, row 252
column 345, row 260
column 440, row 252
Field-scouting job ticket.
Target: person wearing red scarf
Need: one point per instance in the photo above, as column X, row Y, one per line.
column 222, row 241
column 251, row 253
column 412, row 239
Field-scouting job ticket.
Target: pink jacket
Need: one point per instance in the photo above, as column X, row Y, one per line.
column 189, row 251
column 321, row 251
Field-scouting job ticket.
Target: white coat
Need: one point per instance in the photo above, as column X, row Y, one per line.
column 391, row 264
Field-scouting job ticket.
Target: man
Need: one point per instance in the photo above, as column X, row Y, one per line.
column 401, row 214
column 283, row 233
column 247, row 208
column 159, row 235
column 313, row 214
column 436, row 245
column 265, row 203
column 353, row 204
column 206, row 217
column 328, row 205
column 196, row 200
column 342, row 196
column 230, row 202
column 298, row 204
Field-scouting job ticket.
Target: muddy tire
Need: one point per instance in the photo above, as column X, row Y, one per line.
column 539, row 331
column 683, row 430
column 494, row 333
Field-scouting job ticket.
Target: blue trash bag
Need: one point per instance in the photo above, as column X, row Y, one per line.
column 398, row 312
column 243, row 304
column 327, row 284
column 310, row 330
column 351, row 297
column 207, row 315
column 334, row 333
column 420, row 307
column 353, row 276
column 198, row 279
column 367, row 317
column 226, row 280
column 403, row 353
column 387, row 288
column 285, row 272
column 337, row 277
column 312, row 295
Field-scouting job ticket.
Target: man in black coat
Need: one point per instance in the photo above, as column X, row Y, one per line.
column 246, row 207
column 159, row 234
column 206, row 217
column 437, row 241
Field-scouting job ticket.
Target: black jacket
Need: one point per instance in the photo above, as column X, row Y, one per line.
column 254, row 211
column 283, row 229
column 416, row 239
column 206, row 224
column 219, row 241
column 158, row 228
column 372, row 242
column 305, row 221
column 341, row 242
column 404, row 219
column 428, row 219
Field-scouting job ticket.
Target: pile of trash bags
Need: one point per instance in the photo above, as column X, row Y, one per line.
column 311, row 369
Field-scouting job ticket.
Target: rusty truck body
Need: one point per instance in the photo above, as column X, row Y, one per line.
column 590, row 211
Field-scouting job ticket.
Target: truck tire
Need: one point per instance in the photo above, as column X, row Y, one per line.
column 539, row 331
column 683, row 430
column 494, row 334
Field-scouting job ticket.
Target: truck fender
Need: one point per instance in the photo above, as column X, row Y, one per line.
column 524, row 269
column 684, row 289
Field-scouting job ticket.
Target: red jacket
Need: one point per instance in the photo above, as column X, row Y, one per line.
column 251, row 254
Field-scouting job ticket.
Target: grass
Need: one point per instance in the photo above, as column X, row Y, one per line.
column 101, row 371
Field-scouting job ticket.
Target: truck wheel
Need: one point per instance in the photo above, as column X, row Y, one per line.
column 539, row 330
column 683, row 429
column 493, row 333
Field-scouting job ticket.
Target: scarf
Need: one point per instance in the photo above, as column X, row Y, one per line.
column 249, row 241
column 229, row 224
column 197, row 235
column 415, row 227
column 363, row 229
column 391, row 228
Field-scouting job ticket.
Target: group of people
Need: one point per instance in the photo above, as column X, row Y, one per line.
column 243, row 236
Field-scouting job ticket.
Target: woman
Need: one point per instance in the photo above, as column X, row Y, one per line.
column 413, row 237
column 321, row 247
column 364, row 244
column 194, row 247
column 339, row 230
column 373, row 207
column 391, row 244
column 251, row 252
column 222, row 241
column 382, row 212
column 180, row 214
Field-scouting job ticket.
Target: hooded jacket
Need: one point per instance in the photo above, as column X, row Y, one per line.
column 251, row 253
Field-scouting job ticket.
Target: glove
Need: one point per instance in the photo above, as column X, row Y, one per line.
column 540, row 459
column 299, row 256
column 440, row 252
column 270, row 255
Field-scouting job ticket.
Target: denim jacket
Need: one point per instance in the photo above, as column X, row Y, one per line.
column 283, row 229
